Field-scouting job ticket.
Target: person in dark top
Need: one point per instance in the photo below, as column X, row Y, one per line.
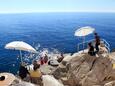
column 97, row 42
column 41, row 60
column 60, row 58
column 45, row 58
column 91, row 50
column 23, row 71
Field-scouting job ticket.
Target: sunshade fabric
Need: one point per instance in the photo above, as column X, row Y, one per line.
column 20, row 45
column 84, row 31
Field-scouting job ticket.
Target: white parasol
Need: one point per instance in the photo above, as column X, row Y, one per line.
column 84, row 31
column 20, row 45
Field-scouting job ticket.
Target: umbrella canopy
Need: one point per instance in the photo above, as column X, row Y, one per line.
column 20, row 45
column 84, row 31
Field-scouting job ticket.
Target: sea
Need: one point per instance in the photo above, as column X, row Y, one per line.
column 52, row 32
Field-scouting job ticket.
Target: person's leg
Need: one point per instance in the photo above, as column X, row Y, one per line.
column 94, row 53
column 90, row 53
column 97, row 48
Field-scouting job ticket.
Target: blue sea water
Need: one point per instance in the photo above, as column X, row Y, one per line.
column 51, row 31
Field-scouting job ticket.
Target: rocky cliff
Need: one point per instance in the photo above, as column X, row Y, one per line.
column 85, row 70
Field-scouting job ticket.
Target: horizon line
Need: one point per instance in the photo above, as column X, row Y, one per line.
column 59, row 12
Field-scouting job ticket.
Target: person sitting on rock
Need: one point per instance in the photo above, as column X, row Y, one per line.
column 91, row 49
column 35, row 74
column 45, row 59
column 23, row 71
column 60, row 58
column 41, row 60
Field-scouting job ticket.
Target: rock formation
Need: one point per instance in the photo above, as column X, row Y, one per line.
column 85, row 70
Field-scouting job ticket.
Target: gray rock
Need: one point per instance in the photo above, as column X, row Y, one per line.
column 102, row 67
column 25, row 84
column 85, row 70
column 112, row 83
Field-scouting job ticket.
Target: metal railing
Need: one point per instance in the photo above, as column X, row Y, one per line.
column 107, row 45
column 85, row 44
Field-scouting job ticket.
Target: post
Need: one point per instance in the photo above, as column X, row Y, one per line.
column 21, row 56
column 77, row 47
column 83, row 43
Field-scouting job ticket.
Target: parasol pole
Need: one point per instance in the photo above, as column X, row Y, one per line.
column 21, row 56
column 83, row 43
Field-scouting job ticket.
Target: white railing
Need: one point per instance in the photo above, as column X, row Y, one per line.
column 107, row 45
column 84, row 44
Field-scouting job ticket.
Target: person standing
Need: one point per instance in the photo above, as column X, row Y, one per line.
column 97, row 42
